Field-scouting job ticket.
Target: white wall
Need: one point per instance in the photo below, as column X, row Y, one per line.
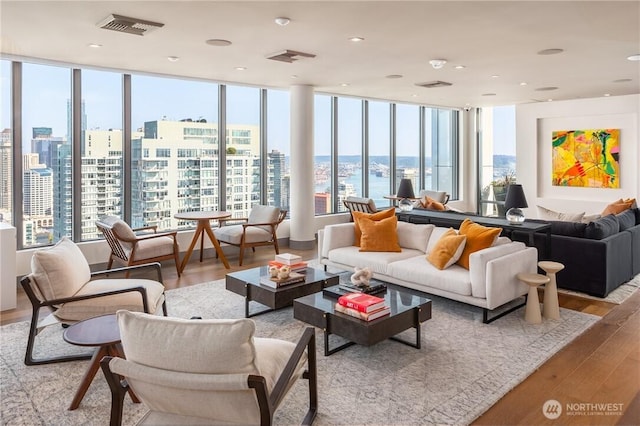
column 534, row 124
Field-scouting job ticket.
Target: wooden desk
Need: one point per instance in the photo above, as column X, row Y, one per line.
column 99, row 331
column 204, row 225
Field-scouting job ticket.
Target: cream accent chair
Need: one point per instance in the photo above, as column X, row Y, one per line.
column 259, row 229
column 211, row 371
column 439, row 196
column 129, row 248
column 61, row 280
column 358, row 204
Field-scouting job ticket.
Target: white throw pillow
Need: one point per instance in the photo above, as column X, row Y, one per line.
column 414, row 236
column 547, row 214
column 60, row 271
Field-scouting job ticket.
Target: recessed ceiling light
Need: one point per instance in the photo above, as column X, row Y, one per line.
column 495, row 76
column 437, row 63
column 173, row 58
column 344, row 84
column 459, row 67
column 218, row 42
column 607, row 94
column 294, row 76
column 356, row 39
column 241, row 68
column 392, row 76
column 550, row 51
column 622, row 80
column 488, row 94
column 524, row 83
column 634, row 57
column 282, row 21
column 546, row 89
column 549, row 100
column 95, row 45
column 414, row 95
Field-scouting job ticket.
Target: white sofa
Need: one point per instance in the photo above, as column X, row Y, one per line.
column 489, row 283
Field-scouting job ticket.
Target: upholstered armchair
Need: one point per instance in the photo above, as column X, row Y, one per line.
column 358, row 204
column 129, row 248
column 211, row 371
column 259, row 229
column 61, row 280
column 440, row 196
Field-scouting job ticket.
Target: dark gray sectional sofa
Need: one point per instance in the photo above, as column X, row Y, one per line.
column 598, row 256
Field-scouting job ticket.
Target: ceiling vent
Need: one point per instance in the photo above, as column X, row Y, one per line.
column 289, row 56
column 124, row 24
column 432, row 84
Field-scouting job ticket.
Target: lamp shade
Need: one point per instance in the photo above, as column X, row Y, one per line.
column 405, row 190
column 515, row 197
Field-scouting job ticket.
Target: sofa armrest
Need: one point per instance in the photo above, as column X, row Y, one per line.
column 478, row 265
column 336, row 236
column 502, row 282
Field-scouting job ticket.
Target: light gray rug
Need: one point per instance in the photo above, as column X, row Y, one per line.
column 617, row 296
column 463, row 368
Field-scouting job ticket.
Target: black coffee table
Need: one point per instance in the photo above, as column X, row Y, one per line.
column 247, row 284
column 409, row 308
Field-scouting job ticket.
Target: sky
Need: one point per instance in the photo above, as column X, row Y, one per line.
column 46, row 90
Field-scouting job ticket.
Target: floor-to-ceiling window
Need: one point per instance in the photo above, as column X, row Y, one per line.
column 349, row 119
column 322, row 143
column 278, row 149
column 6, row 144
column 101, row 149
column 174, row 139
column 407, row 145
column 497, row 157
column 444, row 129
column 379, row 152
column 47, row 153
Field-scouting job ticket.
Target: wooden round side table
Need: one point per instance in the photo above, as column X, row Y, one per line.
column 532, row 311
column 550, row 305
column 102, row 332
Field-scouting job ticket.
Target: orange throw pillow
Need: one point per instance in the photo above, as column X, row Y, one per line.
column 381, row 235
column 478, row 237
column 447, row 250
column 391, row 212
column 618, row 206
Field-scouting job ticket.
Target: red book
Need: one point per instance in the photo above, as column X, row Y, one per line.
column 361, row 302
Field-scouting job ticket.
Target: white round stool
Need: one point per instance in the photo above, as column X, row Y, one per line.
column 550, row 306
column 532, row 313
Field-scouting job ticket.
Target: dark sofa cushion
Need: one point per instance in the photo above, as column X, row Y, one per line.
column 637, row 212
column 602, row 228
column 570, row 229
column 626, row 219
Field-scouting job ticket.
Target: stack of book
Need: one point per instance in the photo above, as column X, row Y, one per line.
column 363, row 306
column 293, row 278
column 294, row 262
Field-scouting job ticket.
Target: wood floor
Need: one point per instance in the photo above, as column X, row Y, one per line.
column 601, row 366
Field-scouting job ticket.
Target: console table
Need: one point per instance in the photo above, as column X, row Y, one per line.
column 454, row 219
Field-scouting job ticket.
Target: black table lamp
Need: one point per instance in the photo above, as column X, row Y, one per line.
column 405, row 193
column 514, row 201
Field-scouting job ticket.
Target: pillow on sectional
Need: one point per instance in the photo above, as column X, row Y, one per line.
column 373, row 216
column 547, row 214
column 478, row 238
column 590, row 218
column 569, row 229
column 431, row 204
column 637, row 213
column 626, row 219
column 379, row 235
column 414, row 236
column 618, row 206
column 602, row 228
column 447, row 250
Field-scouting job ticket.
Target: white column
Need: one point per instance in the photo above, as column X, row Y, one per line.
column 302, row 231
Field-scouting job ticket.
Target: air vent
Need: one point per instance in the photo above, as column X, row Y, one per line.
column 432, row 84
column 289, row 56
column 124, row 24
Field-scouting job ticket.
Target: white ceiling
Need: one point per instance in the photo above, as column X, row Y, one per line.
column 490, row 38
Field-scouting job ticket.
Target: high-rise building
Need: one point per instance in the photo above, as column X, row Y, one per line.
column 6, row 174
column 276, row 173
column 322, row 202
column 37, row 200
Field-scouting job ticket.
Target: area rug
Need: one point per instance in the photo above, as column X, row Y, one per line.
column 462, row 369
column 617, row 296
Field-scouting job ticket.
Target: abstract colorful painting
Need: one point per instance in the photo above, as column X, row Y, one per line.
column 586, row 158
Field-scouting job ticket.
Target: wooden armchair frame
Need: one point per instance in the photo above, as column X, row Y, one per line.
column 38, row 303
column 118, row 252
column 245, row 225
column 267, row 402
